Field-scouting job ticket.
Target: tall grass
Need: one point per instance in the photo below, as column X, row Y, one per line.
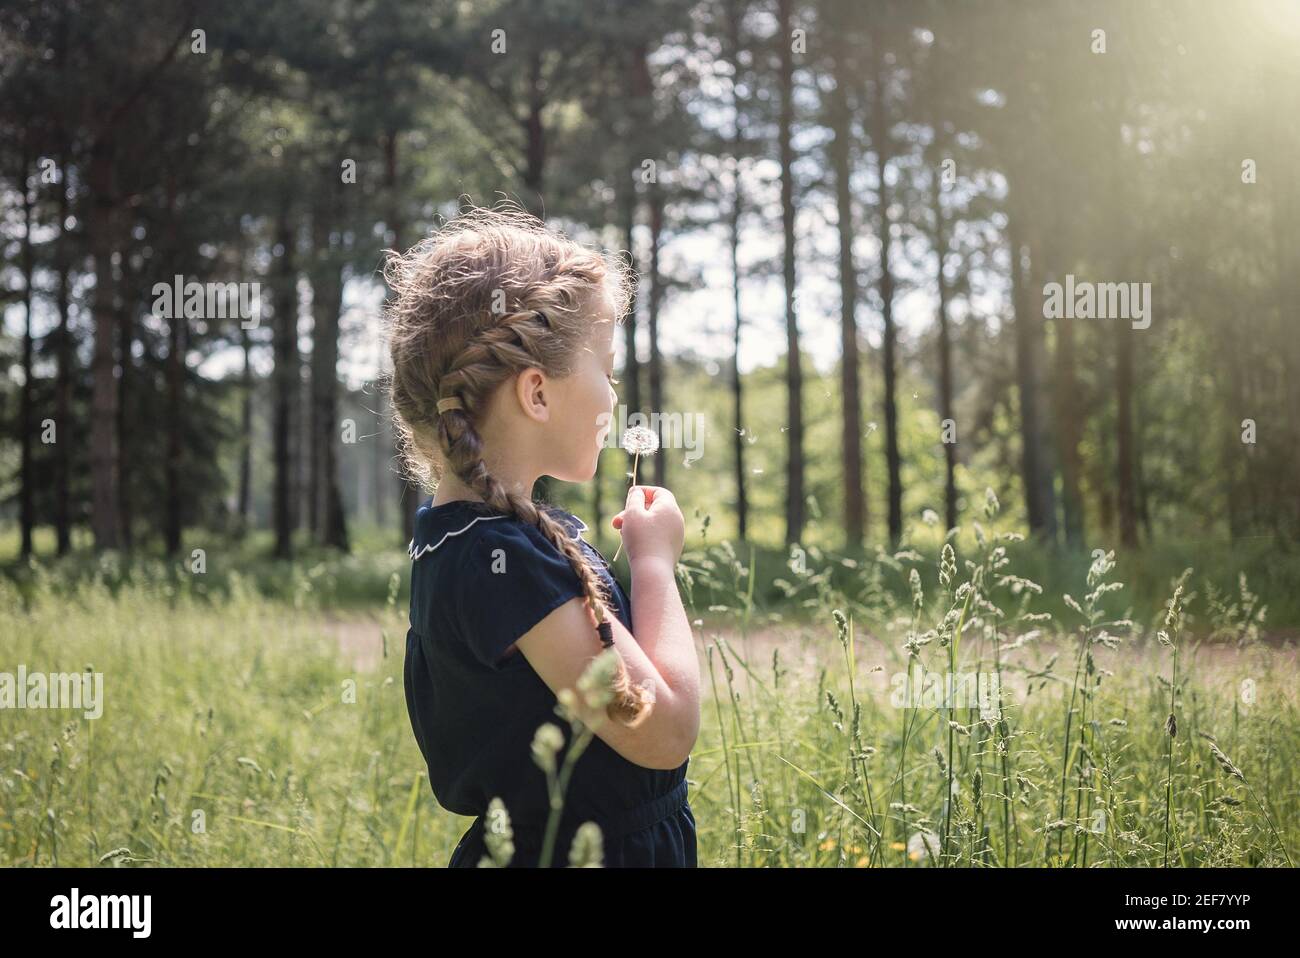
column 1070, row 763
column 232, row 734
column 236, row 732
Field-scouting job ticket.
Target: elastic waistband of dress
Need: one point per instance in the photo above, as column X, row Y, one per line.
column 624, row 823
column 651, row 813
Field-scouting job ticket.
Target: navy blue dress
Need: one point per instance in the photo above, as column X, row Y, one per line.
column 479, row 581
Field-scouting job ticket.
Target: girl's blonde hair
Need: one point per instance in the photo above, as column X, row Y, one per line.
column 491, row 293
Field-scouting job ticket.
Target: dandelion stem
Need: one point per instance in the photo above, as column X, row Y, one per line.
column 635, row 459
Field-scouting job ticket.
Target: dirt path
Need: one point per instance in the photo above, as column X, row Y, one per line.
column 802, row 650
column 879, row 664
column 360, row 639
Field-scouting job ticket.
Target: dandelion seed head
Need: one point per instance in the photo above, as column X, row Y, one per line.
column 640, row 441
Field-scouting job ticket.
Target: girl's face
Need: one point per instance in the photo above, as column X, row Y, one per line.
column 585, row 400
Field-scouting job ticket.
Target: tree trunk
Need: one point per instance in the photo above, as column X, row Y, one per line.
column 881, row 144
column 1139, row 479
column 1101, row 471
column 1123, row 256
column 945, row 357
column 285, row 380
column 304, row 478
column 101, row 233
column 855, row 513
column 246, row 434
column 175, row 374
column 1068, row 404
column 1069, row 418
column 1040, row 503
column 409, row 493
column 737, row 387
column 1125, row 477
column 125, row 308
column 27, row 515
column 327, row 302
column 311, row 454
column 535, row 135
column 63, row 386
column 794, row 501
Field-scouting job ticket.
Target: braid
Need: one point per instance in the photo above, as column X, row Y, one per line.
column 630, row 705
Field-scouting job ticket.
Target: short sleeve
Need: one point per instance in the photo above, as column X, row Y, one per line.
column 511, row 578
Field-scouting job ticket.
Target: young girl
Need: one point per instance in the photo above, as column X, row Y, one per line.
column 501, row 334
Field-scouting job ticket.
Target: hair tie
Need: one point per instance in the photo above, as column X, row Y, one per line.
column 451, row 402
column 606, row 634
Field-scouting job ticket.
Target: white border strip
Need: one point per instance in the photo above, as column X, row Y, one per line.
column 410, row 548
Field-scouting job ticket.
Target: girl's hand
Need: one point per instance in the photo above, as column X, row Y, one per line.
column 652, row 524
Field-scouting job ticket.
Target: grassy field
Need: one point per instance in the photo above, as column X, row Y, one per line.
column 248, row 723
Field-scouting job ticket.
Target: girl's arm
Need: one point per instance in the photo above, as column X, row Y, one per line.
column 664, row 634
column 560, row 648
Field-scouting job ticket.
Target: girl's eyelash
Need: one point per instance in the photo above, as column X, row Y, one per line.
column 612, row 380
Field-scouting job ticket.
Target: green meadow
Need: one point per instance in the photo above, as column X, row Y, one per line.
column 253, row 715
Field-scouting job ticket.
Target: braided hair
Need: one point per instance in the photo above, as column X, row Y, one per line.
column 491, row 293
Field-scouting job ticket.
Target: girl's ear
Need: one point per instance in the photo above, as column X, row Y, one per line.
column 530, row 391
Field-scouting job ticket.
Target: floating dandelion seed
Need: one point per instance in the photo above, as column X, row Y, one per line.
column 639, row 441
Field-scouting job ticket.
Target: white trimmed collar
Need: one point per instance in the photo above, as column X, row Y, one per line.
column 429, row 547
column 574, row 524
